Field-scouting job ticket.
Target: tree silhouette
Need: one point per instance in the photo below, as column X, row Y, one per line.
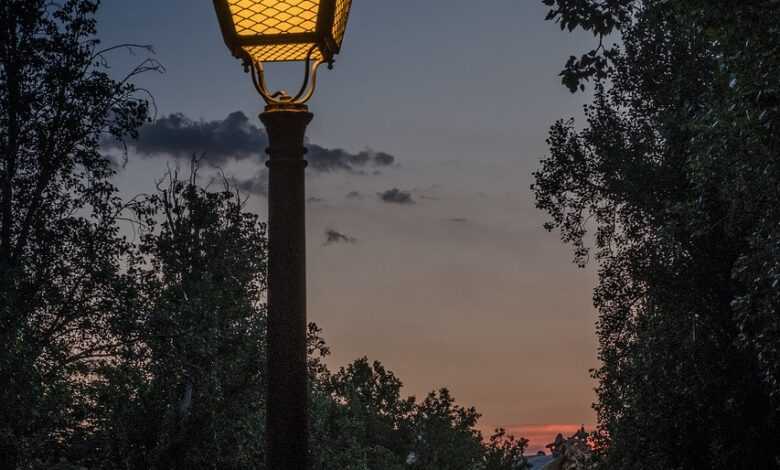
column 677, row 173
column 190, row 393
column 60, row 250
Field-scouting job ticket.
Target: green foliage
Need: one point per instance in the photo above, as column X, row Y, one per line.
column 60, row 250
column 189, row 393
column 362, row 422
column 505, row 452
column 444, row 434
column 677, row 174
column 360, row 419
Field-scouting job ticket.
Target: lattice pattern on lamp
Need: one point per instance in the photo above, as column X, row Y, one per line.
column 261, row 17
column 341, row 17
column 282, row 52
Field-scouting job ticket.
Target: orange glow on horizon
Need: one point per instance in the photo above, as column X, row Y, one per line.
column 538, row 435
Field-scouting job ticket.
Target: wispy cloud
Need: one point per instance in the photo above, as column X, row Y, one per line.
column 257, row 185
column 333, row 237
column 330, row 160
column 396, row 196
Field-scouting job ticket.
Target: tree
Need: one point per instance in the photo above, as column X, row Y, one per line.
column 445, row 435
column 190, row 395
column 361, row 421
column 60, row 249
column 505, row 452
column 677, row 172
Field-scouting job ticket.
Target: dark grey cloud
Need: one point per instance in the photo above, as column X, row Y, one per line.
column 354, row 195
column 458, row 220
column 383, row 159
column 218, row 141
column 333, row 237
column 328, row 160
column 237, row 138
column 396, row 196
column 315, row 200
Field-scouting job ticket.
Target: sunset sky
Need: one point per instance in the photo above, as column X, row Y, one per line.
column 450, row 280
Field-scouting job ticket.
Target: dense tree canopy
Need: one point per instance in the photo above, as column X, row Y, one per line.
column 60, row 249
column 362, row 422
column 677, row 176
column 189, row 392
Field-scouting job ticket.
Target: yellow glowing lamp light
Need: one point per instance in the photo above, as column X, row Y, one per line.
column 258, row 31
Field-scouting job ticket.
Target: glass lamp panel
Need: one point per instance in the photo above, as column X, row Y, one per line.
column 265, row 17
column 340, row 20
column 283, row 52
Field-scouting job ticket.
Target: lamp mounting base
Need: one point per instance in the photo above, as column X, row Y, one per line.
column 286, row 107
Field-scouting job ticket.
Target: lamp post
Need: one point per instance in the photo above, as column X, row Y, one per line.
column 308, row 31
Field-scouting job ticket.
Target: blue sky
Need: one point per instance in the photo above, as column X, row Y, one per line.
column 463, row 288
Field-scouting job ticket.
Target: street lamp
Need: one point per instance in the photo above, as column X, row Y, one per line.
column 308, row 31
column 258, row 31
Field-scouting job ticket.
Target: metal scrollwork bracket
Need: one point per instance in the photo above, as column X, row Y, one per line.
column 281, row 98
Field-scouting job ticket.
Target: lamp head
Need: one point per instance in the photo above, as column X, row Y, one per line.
column 283, row 30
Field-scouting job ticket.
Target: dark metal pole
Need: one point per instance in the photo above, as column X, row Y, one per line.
column 287, row 417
